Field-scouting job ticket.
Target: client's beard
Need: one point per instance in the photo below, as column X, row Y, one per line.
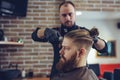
column 66, row 65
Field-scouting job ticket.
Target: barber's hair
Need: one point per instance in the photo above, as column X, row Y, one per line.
column 66, row 3
column 82, row 37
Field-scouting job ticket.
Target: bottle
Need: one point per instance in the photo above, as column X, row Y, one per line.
column 30, row 73
column 23, row 73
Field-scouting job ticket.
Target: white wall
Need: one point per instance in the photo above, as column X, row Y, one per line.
column 108, row 31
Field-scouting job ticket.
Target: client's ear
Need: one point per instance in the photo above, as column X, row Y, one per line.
column 82, row 51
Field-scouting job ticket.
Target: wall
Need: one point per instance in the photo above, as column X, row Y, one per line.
column 40, row 13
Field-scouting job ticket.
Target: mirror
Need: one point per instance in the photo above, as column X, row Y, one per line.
column 111, row 50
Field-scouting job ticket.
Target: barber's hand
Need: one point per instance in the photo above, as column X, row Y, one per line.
column 52, row 35
column 94, row 34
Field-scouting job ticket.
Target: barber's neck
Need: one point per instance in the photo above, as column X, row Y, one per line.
column 64, row 26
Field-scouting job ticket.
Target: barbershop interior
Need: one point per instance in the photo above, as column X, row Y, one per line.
column 22, row 58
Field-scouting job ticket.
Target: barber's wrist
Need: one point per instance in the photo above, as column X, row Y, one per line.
column 47, row 33
column 95, row 39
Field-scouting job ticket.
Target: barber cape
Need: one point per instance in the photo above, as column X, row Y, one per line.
column 82, row 73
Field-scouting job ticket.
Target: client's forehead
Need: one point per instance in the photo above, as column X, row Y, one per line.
column 67, row 41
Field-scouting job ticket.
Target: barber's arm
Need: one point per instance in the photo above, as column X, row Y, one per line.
column 37, row 35
column 46, row 34
column 100, row 45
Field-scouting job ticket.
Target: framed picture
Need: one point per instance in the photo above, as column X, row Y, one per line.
column 111, row 50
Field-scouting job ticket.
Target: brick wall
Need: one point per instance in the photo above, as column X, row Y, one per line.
column 40, row 13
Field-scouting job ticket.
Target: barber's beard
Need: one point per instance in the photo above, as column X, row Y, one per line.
column 68, row 23
column 64, row 65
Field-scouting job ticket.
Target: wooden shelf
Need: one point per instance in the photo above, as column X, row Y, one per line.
column 10, row 43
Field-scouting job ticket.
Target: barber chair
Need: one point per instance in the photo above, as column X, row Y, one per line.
column 108, row 75
column 95, row 68
column 116, row 74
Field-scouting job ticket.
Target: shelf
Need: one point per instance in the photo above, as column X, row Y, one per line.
column 10, row 43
